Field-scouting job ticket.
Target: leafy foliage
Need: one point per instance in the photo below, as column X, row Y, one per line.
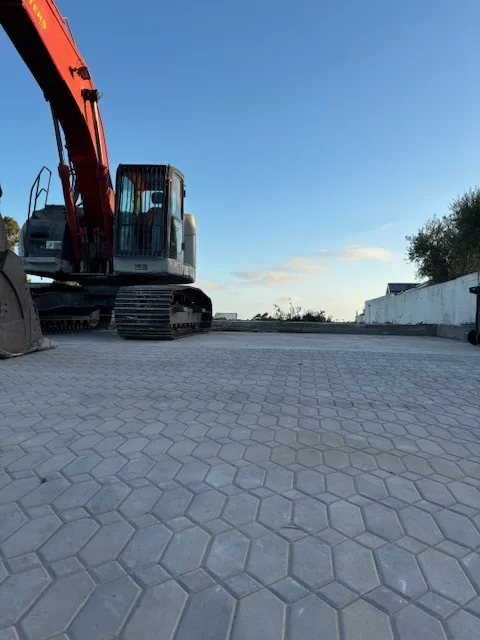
column 294, row 314
column 13, row 231
column 449, row 247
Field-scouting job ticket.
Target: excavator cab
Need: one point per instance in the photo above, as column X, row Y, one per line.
column 153, row 235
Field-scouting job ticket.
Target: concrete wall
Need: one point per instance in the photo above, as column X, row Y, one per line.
column 343, row 328
column 449, row 303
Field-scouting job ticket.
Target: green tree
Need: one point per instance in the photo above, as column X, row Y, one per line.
column 449, row 247
column 430, row 250
column 13, row 231
column 465, row 220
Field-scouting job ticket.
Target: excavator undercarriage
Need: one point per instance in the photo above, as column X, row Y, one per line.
column 20, row 330
column 159, row 312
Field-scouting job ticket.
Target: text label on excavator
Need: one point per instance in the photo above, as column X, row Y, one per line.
column 38, row 14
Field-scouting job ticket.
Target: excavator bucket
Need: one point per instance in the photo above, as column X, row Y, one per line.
column 20, row 330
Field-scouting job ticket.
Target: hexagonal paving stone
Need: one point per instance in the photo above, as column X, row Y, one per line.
column 106, row 544
column 466, row 494
column 415, row 624
column 346, row 518
column 140, row 501
column 340, row 484
column 371, row 486
column 311, row 562
column 275, row 512
column 10, row 522
column 268, row 558
column 382, row 521
column 160, row 607
column 77, row 495
column 363, row 621
column 336, row 459
column 250, row 477
column 355, row 566
column 309, row 457
column 471, row 563
column 69, row 539
column 137, row 468
column 312, row 615
column 146, row 546
column 435, row 492
column 400, row 571
column 185, row 551
column 232, row 451
column 30, row 536
column 241, row 509
column 206, row 506
column 45, row 493
column 209, row 615
column 259, row 615
column 227, row 554
column 363, row 461
column 445, row 576
column 257, row 453
column 57, row 607
column 18, row 592
column 164, row 470
column 458, row 528
column 106, row 611
column 464, row 626
column 279, row 480
column 420, row 525
column 173, row 503
column 221, row 475
column 108, row 498
column 402, row 489
column 310, row 482
column 310, row 515
column 391, row 463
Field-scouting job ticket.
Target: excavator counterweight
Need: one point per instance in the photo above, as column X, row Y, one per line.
column 20, row 331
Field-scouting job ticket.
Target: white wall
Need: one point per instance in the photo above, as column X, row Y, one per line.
column 447, row 303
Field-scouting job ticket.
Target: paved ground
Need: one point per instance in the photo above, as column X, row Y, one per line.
column 241, row 486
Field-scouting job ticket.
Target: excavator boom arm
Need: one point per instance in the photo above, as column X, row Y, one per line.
column 43, row 39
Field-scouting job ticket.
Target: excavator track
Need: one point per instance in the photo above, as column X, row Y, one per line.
column 71, row 324
column 156, row 312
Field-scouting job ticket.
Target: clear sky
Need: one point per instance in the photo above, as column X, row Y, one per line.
column 314, row 134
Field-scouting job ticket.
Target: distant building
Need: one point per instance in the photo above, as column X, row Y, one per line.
column 225, row 316
column 395, row 287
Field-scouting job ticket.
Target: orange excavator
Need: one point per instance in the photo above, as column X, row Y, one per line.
column 131, row 248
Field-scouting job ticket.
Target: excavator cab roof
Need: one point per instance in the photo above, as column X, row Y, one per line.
column 147, row 177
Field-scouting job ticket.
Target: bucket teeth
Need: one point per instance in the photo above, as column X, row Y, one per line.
column 20, row 331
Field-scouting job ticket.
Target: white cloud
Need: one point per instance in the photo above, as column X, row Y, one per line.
column 304, row 267
column 209, row 285
column 304, row 264
column 247, row 275
column 368, row 253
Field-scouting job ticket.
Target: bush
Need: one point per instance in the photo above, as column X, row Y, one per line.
column 294, row 314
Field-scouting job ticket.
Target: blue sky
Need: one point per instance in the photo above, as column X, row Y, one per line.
column 314, row 135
